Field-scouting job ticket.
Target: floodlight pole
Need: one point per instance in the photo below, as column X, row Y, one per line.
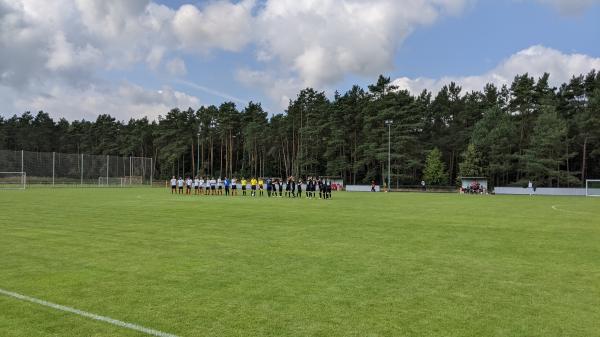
column 53, row 166
column 389, row 123
column 107, row 164
column 198, row 152
column 81, row 182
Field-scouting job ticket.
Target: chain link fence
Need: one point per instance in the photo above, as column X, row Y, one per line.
column 64, row 169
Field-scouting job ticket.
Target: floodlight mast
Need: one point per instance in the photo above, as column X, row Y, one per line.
column 198, row 152
column 389, row 123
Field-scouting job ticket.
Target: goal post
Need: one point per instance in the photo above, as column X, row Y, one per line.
column 592, row 187
column 13, row 180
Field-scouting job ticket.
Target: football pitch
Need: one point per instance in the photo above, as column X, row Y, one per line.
column 362, row 264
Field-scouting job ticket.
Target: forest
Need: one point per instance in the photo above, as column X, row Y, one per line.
column 527, row 130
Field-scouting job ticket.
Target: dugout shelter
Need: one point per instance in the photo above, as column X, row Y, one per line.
column 473, row 185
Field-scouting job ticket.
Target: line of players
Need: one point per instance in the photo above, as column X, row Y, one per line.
column 274, row 187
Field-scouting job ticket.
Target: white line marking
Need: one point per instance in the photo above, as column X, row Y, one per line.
column 87, row 314
column 555, row 207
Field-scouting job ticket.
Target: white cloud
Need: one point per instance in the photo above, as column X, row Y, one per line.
column 322, row 41
column 122, row 102
column 52, row 51
column 155, row 56
column 279, row 89
column 42, row 39
column 53, row 55
column 222, row 25
column 534, row 60
column 63, row 55
column 67, row 43
column 111, row 20
column 63, row 47
column 318, row 43
column 176, row 67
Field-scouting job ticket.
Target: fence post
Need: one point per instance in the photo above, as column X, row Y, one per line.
column 107, row 163
column 53, row 166
column 81, row 170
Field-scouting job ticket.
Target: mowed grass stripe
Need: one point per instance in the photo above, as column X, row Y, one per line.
column 359, row 265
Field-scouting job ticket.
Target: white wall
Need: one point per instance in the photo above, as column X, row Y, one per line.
column 545, row 191
column 360, row 188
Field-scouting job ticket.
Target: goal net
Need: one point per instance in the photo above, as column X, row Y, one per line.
column 592, row 187
column 110, row 181
column 133, row 180
column 13, row 180
column 120, row 181
column 76, row 169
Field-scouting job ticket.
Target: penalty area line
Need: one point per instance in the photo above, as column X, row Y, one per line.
column 555, row 207
column 105, row 319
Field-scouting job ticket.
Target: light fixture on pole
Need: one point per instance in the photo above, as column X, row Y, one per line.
column 389, row 123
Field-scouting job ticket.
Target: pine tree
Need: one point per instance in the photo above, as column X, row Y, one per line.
column 544, row 159
column 495, row 137
column 471, row 164
column 435, row 171
column 349, row 137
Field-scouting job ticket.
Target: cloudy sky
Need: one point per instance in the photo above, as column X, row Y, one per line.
column 80, row 58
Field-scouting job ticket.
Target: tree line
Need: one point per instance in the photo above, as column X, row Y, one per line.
column 511, row 134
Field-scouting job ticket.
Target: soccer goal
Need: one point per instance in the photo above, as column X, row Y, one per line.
column 133, row 180
column 592, row 187
column 13, row 180
column 111, row 181
column 120, row 181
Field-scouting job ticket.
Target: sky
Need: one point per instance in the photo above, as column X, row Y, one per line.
column 140, row 58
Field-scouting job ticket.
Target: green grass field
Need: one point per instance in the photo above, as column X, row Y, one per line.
column 362, row 264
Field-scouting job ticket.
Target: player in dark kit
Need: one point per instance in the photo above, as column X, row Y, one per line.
column 269, row 187
column 280, row 184
column 274, row 187
column 288, row 187
column 293, row 188
column 300, row 188
column 328, row 190
column 321, row 187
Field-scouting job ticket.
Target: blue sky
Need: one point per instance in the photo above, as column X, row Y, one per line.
column 141, row 57
column 491, row 31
